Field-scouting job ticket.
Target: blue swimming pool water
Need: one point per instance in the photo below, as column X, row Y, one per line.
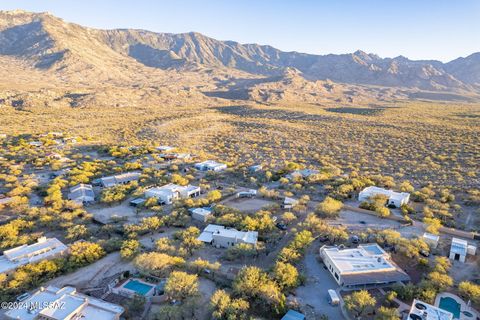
column 449, row 304
column 138, row 286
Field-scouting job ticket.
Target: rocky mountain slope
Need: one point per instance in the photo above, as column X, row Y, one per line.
column 70, row 53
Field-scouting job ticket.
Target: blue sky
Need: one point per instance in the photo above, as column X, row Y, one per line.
column 417, row 29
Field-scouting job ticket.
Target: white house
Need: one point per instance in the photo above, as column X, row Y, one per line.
column 52, row 303
column 366, row 265
column 123, row 178
column 423, row 311
column 210, row 165
column 44, row 248
column 82, row 193
column 431, row 239
column 460, row 249
column 247, row 194
column 289, row 203
column 201, row 214
column 305, row 173
column 165, row 148
column 396, row 199
column 219, row 236
column 171, row 192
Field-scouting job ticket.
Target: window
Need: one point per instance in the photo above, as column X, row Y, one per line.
column 336, row 276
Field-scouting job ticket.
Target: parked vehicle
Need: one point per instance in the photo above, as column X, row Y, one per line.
column 333, row 298
column 281, row 226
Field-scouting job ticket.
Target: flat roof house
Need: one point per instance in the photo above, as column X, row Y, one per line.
column 167, row 194
column 82, row 193
column 201, row 214
column 305, row 173
column 396, row 199
column 431, row 239
column 219, row 236
column 424, row 311
column 210, row 165
column 165, row 148
column 53, row 303
column 123, row 178
column 366, row 265
column 44, row 248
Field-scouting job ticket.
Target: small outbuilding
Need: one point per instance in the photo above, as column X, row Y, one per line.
column 293, row 315
column 460, row 249
column 201, row 214
column 431, row 239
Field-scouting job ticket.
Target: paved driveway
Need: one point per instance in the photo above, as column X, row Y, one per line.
column 319, row 280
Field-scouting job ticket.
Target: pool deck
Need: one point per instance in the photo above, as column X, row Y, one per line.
column 463, row 305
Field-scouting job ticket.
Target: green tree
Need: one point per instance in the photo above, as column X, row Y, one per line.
column 226, row 308
column 329, row 208
column 181, row 285
column 359, row 302
column 384, row 313
column 84, row 252
column 129, row 249
column 286, row 275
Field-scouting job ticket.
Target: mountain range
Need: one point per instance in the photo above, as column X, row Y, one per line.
column 69, row 52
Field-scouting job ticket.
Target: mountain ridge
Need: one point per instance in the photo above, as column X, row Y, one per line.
column 50, row 43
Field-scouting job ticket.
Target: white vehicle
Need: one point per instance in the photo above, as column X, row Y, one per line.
column 333, row 298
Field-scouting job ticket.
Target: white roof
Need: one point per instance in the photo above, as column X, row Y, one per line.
column 120, row 178
column 431, row 236
column 459, row 246
column 43, row 249
column 210, row 164
column 213, row 230
column 428, row 312
column 171, row 188
column 288, row 200
column 165, row 148
column 201, row 211
column 372, row 190
column 81, row 192
column 72, row 303
column 363, row 259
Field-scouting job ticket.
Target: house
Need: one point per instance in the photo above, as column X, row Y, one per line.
column 219, row 236
column 460, row 249
column 305, row 173
column 123, row 178
column 366, row 265
column 69, row 303
column 293, row 315
column 396, row 199
column 210, row 165
column 82, row 193
column 35, row 143
column 201, row 214
column 165, row 148
column 171, row 192
column 3, row 136
column 44, row 248
column 247, row 194
column 255, row 168
column 137, row 202
column 289, row 203
column 431, row 239
column 424, row 311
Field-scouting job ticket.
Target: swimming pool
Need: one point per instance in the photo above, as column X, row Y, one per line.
column 449, row 304
column 138, row 286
